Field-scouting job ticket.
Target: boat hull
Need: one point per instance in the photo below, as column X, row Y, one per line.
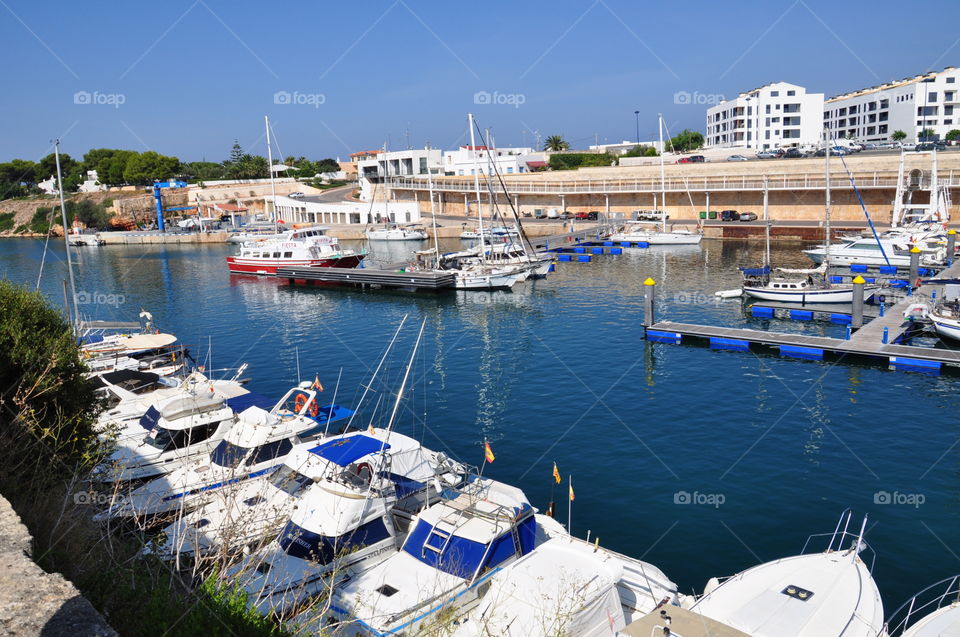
column 947, row 327
column 660, row 238
column 803, row 297
column 268, row 267
column 817, row 256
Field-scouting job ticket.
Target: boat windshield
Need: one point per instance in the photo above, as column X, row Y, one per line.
column 298, row 542
column 228, row 455
column 289, row 480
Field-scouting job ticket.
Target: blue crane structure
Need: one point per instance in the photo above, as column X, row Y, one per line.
column 158, row 198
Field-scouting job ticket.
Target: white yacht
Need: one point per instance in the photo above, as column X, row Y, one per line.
column 355, row 497
column 396, row 232
column 256, row 445
column 568, row 587
column 808, row 595
column 656, row 234
column 867, row 251
column 453, row 550
column 760, row 283
column 933, row 612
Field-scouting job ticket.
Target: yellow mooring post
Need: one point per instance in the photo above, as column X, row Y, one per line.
column 856, row 318
column 649, row 293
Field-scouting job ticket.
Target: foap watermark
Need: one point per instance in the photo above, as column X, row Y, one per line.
column 709, row 499
column 100, row 298
column 697, row 98
column 497, row 98
column 95, row 499
column 914, row 500
column 96, row 98
column 687, row 297
column 296, row 98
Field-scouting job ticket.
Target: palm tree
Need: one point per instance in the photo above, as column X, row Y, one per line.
column 556, row 143
column 898, row 135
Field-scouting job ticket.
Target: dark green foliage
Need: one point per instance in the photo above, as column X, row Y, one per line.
column 90, row 214
column 570, row 161
column 952, row 134
column 641, row 151
column 685, row 140
column 40, row 222
column 6, row 221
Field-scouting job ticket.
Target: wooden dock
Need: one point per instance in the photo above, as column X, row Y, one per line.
column 430, row 280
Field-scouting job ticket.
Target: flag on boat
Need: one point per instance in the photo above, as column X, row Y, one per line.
column 488, row 452
column 316, row 383
column 556, row 473
column 370, row 429
column 572, row 498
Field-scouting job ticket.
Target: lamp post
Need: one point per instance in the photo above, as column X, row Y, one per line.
column 636, row 115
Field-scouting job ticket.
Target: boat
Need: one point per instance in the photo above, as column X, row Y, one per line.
column 510, row 255
column 933, row 612
column 945, row 317
column 641, row 231
column 256, row 445
column 79, row 239
column 497, row 232
column 301, row 247
column 807, row 595
column 396, row 232
column 567, row 586
column 866, row 251
column 355, row 498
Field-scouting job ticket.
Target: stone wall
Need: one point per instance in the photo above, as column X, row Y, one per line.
column 34, row 602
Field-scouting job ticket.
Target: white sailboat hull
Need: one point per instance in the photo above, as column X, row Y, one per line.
column 659, row 238
column 830, row 295
column 948, row 327
column 493, row 281
column 852, row 258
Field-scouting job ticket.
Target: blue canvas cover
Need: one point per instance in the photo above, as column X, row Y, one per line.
column 756, row 271
column 343, row 451
column 240, row 403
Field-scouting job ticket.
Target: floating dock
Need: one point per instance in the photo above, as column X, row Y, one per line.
column 372, row 278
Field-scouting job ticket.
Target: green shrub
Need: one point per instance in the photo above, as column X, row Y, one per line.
column 570, row 161
column 6, row 221
column 40, row 222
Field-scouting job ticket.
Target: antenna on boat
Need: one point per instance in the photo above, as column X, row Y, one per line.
column 296, row 353
column 66, row 239
column 383, row 358
column 403, row 383
column 863, row 528
column 273, row 187
column 333, row 403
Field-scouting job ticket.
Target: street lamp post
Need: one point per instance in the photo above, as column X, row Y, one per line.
column 636, row 115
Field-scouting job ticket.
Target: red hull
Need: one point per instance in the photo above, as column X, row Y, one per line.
column 268, row 267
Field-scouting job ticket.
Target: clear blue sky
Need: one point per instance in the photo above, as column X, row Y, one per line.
column 194, row 75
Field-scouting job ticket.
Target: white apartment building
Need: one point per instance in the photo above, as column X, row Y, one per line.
column 312, row 209
column 469, row 159
column 777, row 115
column 624, row 147
column 400, row 163
column 873, row 114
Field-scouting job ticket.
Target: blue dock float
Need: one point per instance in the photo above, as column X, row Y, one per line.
column 552, row 268
column 858, row 268
column 886, row 269
column 596, row 250
column 658, row 336
column 840, row 319
column 563, row 257
column 736, row 344
column 608, row 243
column 801, row 315
column 579, row 250
column 761, row 312
column 901, row 363
column 625, row 244
column 584, row 258
column 797, row 351
column 616, row 250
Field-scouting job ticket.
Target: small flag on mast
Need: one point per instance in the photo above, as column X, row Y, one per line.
column 556, row 473
column 572, row 498
column 488, row 452
column 316, row 383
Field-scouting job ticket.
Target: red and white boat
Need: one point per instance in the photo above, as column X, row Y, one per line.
column 301, row 247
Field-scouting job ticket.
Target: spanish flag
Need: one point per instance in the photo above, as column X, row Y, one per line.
column 556, row 473
column 572, row 498
column 488, row 452
column 316, row 383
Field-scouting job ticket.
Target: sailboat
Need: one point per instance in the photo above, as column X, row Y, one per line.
column 798, row 285
column 637, row 231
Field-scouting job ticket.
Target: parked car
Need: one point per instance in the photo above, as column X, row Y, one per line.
column 649, row 215
column 566, row 215
column 767, row 154
column 748, row 216
column 737, row 158
column 296, row 195
column 538, row 213
column 593, row 215
column 792, row 153
column 684, row 160
column 582, row 215
column 697, row 159
column 871, row 146
column 931, row 146
column 729, row 215
column 907, row 146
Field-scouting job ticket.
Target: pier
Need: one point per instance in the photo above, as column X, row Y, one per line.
column 372, row 278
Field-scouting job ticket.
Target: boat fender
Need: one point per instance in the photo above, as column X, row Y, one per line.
column 712, row 584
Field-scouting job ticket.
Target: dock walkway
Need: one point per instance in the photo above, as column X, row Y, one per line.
column 372, row 278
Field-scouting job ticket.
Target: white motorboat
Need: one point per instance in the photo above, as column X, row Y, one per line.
column 933, row 612
column 78, row 239
column 301, row 247
column 637, row 231
column 256, row 445
column 453, row 550
column 355, row 496
column 395, row 232
column 868, row 251
column 486, row 277
column 808, row 595
column 804, row 289
column 568, row 587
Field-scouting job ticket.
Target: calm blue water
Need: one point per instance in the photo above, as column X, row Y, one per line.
column 558, row 371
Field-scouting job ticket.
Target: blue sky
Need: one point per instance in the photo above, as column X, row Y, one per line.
column 186, row 77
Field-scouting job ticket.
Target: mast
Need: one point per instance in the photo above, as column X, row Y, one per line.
column 476, row 184
column 433, row 213
column 403, row 383
column 663, row 179
column 273, row 187
column 766, row 220
column 826, row 225
column 66, row 241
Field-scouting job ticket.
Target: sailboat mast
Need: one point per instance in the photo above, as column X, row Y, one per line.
column 476, row 182
column 663, row 179
column 826, row 225
column 66, row 240
column 273, row 187
column 766, row 220
column 433, row 212
column 406, row 376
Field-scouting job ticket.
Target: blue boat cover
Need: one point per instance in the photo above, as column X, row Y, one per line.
column 90, row 339
column 756, row 271
column 343, row 451
column 240, row 403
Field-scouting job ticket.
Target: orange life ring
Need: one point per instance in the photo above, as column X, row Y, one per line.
column 299, row 402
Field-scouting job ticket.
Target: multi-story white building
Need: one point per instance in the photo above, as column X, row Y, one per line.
column 777, row 115
column 469, row 159
column 912, row 105
column 400, row 163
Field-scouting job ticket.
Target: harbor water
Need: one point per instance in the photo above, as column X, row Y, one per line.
column 701, row 461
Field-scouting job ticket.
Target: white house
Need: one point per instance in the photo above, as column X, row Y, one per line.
column 400, row 163
column 314, row 210
column 624, row 147
column 92, row 183
column 468, row 160
column 776, row 115
column 912, row 104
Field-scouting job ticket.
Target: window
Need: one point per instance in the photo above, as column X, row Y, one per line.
column 951, row 80
column 774, row 93
column 270, row 451
column 276, row 255
column 948, row 110
column 932, row 96
column 791, row 93
column 228, row 454
column 884, row 104
column 289, row 480
column 287, row 255
column 948, row 96
column 423, row 165
column 768, row 109
column 947, row 122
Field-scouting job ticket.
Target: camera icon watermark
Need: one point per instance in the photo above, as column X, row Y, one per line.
column 916, row 500
column 694, row 297
column 96, row 98
column 684, row 98
column 296, row 98
column 92, row 498
column 485, row 98
column 100, row 298
column 715, row 500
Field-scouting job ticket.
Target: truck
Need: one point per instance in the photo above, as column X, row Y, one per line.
column 553, row 214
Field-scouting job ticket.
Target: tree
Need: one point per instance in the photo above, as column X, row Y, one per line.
column 327, row 165
column 202, row 170
column 641, row 151
column 898, row 136
column 685, row 140
column 146, row 167
column 953, row 135
column 927, row 134
column 71, row 169
column 556, row 143
column 236, row 153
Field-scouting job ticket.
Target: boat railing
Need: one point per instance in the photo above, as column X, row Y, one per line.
column 857, row 545
column 930, row 599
